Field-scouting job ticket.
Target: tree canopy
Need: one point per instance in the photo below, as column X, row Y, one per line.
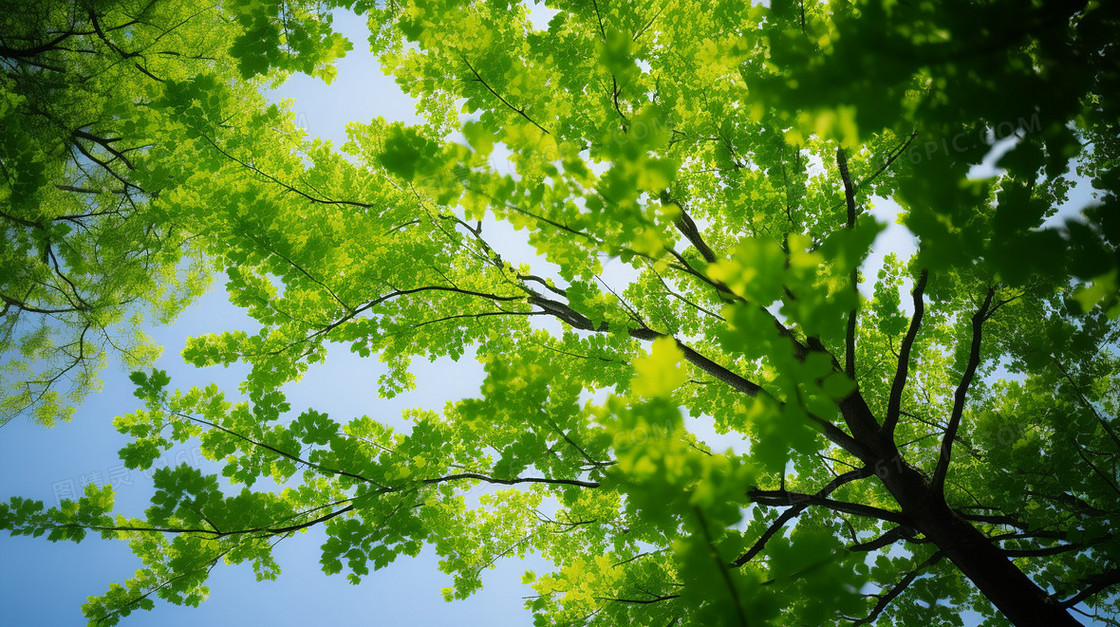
column 935, row 434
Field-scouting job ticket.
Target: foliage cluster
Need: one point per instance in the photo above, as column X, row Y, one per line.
column 729, row 154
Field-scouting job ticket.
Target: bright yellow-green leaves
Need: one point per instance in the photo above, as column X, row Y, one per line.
column 755, row 270
column 660, row 373
column 635, row 221
column 811, row 280
column 837, row 124
column 93, row 148
column 1103, row 290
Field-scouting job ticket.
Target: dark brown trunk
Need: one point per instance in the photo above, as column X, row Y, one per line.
column 977, row 557
column 1011, row 591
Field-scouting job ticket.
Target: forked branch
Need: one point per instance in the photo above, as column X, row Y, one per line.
column 794, row 511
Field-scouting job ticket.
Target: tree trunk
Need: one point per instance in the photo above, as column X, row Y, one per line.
column 1007, row 587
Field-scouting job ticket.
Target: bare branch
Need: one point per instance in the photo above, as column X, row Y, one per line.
column 938, row 481
column 894, row 404
column 687, row 227
column 794, row 511
column 853, row 315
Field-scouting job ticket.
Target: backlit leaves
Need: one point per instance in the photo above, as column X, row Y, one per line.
column 635, row 223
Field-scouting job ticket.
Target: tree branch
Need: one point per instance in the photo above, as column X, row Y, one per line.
column 853, row 315
column 281, row 453
column 517, row 480
column 898, row 588
column 520, row 112
column 687, row 227
column 722, row 567
column 938, row 481
column 794, row 511
column 323, row 201
column 1088, row 405
column 785, row 497
column 894, row 404
column 1096, row 584
column 655, row 599
column 890, row 537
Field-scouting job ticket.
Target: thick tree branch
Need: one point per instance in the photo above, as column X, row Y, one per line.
column 687, row 227
column 834, row 434
column 890, row 537
column 721, row 373
column 23, row 53
column 12, row 302
column 106, row 144
column 785, row 497
column 515, row 481
column 853, row 315
column 960, row 396
column 574, row 318
column 1043, row 551
column 894, row 404
column 995, row 519
column 104, row 165
column 710, row 367
column 655, row 599
column 101, row 35
column 21, row 221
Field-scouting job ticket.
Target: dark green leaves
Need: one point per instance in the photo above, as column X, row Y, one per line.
column 149, row 388
column 312, row 427
column 406, row 152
